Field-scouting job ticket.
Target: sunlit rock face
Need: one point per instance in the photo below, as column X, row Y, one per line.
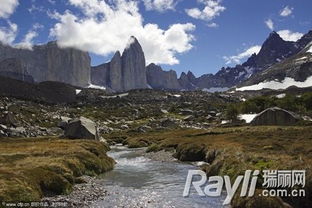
column 49, row 62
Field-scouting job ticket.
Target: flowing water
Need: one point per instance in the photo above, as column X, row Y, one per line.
column 137, row 181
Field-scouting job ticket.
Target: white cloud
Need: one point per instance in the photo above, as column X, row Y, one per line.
column 286, row 11
column 246, row 54
column 8, row 34
column 270, row 24
column 159, row 5
column 288, row 35
column 28, row 40
column 52, row 1
column 35, row 8
column 7, row 8
column 212, row 9
column 106, row 28
column 213, row 24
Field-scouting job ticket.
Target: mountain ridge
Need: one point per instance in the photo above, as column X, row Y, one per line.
column 128, row 70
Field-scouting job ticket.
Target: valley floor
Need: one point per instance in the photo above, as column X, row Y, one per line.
column 33, row 168
column 36, row 163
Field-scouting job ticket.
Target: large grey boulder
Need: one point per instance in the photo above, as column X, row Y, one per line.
column 275, row 116
column 81, row 128
column 8, row 119
column 49, row 62
column 159, row 79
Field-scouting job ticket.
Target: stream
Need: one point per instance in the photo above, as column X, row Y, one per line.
column 138, row 181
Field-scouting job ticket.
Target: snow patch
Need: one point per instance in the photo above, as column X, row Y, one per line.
column 302, row 58
column 225, row 122
column 247, row 117
column 91, row 86
column 249, row 72
column 115, row 96
column 275, row 85
column 216, row 89
column 78, row 91
column 280, row 95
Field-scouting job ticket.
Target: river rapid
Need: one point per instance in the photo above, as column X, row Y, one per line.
column 138, row 181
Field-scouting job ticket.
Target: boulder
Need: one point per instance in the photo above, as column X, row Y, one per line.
column 168, row 123
column 190, row 152
column 8, row 119
column 64, row 122
column 275, row 116
column 17, row 132
column 81, row 128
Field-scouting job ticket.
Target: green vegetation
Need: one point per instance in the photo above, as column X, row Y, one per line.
column 299, row 104
column 33, row 168
column 231, row 112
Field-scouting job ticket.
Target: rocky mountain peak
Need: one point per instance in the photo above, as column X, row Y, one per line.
column 124, row 72
column 117, row 55
column 190, row 75
column 157, row 78
column 133, row 66
column 304, row 40
column 273, row 50
column 133, row 44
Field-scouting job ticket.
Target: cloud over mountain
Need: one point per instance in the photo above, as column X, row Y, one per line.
column 289, row 35
column 104, row 28
column 245, row 54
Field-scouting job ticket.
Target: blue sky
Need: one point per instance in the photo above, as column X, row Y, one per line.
column 197, row 35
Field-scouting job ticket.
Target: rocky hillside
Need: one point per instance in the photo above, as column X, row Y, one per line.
column 48, row 92
column 46, row 62
column 294, row 71
column 124, row 72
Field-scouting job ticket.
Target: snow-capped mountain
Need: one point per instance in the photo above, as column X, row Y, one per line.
column 274, row 50
column 293, row 71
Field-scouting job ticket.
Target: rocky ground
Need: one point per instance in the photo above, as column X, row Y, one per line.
column 137, row 111
column 83, row 194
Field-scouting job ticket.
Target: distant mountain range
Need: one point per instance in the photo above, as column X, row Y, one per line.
column 277, row 60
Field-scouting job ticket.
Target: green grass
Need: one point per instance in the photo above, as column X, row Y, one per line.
column 34, row 168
